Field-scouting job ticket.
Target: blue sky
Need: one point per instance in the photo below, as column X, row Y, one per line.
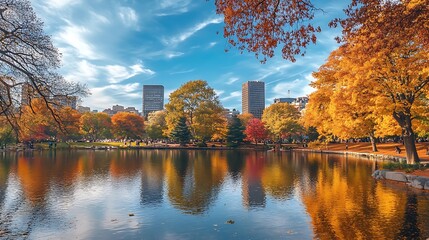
column 117, row 46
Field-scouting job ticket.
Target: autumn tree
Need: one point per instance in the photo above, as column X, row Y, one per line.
column 127, row 125
column 156, row 124
column 387, row 41
column 261, row 26
column 28, row 60
column 255, row 130
column 235, row 133
column 36, row 123
column 200, row 106
column 96, row 125
column 181, row 132
column 245, row 118
column 281, row 120
column 342, row 106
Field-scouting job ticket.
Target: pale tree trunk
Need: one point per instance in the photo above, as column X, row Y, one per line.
column 404, row 121
column 373, row 142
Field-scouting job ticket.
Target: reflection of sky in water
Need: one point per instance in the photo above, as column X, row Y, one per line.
column 188, row 195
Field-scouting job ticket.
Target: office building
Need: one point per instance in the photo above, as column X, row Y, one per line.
column 153, row 98
column 253, row 98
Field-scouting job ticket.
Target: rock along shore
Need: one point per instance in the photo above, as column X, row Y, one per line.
column 411, row 180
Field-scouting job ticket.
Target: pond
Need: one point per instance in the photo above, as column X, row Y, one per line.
column 179, row 194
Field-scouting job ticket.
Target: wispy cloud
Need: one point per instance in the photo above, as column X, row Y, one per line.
column 183, row 72
column 170, row 55
column 232, row 95
column 232, row 80
column 118, row 73
column 191, row 31
column 128, row 17
column 75, row 36
column 298, row 87
column 212, row 44
column 61, row 3
column 173, row 7
column 106, row 96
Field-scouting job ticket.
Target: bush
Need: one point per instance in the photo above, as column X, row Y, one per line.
column 201, row 144
column 403, row 166
column 231, row 144
column 317, row 145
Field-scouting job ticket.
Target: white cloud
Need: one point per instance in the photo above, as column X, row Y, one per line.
column 128, row 16
column 173, row 7
column 170, row 55
column 232, row 80
column 61, row 3
column 100, row 18
column 219, row 92
column 232, row 95
column 297, row 87
column 107, row 96
column 191, row 31
column 85, row 72
column 183, row 71
column 212, row 44
column 74, row 36
column 118, row 73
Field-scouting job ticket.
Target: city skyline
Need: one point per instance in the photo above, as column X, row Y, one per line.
column 116, row 47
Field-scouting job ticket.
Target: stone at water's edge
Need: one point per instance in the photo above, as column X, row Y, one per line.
column 412, row 180
column 419, row 182
column 427, row 185
column 396, row 176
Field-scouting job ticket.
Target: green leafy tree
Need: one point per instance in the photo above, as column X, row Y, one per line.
column 156, row 124
column 181, row 132
column 96, row 125
column 235, row 133
column 281, row 120
column 200, row 106
column 7, row 135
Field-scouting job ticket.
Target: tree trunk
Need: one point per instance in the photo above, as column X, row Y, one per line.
column 373, row 142
column 404, row 121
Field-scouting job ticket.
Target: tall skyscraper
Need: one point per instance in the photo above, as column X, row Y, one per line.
column 253, row 98
column 153, row 98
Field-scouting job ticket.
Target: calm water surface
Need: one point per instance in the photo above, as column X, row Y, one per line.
column 174, row 194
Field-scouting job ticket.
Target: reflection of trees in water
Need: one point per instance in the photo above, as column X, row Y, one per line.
column 194, row 178
column 410, row 229
column 235, row 161
column 344, row 202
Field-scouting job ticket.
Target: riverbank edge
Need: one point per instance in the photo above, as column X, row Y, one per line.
column 414, row 181
column 371, row 156
column 411, row 180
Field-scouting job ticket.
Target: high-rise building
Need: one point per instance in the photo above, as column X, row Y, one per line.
column 65, row 101
column 253, row 98
column 153, row 98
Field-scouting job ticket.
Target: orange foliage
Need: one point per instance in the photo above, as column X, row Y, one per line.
column 260, row 26
column 128, row 125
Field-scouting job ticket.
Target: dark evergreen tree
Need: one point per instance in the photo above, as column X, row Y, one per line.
column 235, row 133
column 181, row 132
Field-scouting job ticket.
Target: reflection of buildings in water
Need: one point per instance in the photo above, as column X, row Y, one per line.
column 152, row 178
column 253, row 191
